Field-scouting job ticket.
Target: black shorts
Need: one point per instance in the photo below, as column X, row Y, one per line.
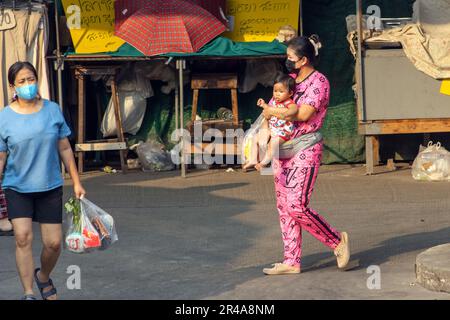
column 43, row 207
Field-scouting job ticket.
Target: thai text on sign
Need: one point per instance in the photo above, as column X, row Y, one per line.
column 91, row 25
column 260, row 20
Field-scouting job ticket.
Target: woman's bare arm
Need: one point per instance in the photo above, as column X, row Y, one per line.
column 293, row 113
column 65, row 151
column 3, row 156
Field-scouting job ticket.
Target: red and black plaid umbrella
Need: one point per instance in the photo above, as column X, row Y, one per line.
column 162, row 26
column 213, row 6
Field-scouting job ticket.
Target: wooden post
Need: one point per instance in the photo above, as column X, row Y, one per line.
column 369, row 155
column 81, row 117
column 376, row 150
column 117, row 114
column 234, row 106
column 194, row 104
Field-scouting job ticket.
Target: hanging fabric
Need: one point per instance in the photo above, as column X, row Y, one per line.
column 27, row 41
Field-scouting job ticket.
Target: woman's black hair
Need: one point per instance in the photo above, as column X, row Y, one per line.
column 306, row 47
column 286, row 80
column 15, row 69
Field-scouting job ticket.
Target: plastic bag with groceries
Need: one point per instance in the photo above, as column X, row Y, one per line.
column 89, row 227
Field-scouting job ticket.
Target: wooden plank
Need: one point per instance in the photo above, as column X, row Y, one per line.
column 214, row 81
column 103, row 140
column 219, row 124
column 213, row 148
column 86, row 147
column 404, row 126
column 97, row 70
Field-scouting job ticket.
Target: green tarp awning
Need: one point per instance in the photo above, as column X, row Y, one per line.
column 221, row 47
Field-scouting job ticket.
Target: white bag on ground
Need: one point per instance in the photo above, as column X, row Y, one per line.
column 432, row 163
column 154, row 157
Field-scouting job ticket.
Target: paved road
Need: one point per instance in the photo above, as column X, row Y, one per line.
column 210, row 235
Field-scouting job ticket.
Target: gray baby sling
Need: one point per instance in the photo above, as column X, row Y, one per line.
column 290, row 148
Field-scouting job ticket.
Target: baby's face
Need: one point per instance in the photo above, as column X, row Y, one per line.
column 281, row 92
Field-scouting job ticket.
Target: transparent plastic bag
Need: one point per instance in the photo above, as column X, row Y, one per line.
column 154, row 157
column 432, row 163
column 89, row 227
column 250, row 142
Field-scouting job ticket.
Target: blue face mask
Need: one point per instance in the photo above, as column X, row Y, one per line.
column 28, row 92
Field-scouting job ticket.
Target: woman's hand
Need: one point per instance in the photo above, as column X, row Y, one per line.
column 79, row 191
column 261, row 103
column 267, row 114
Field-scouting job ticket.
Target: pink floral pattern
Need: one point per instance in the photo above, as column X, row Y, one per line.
column 315, row 92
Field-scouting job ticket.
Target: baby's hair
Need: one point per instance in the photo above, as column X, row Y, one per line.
column 286, row 81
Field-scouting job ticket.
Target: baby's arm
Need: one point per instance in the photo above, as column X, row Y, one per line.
column 261, row 103
column 284, row 113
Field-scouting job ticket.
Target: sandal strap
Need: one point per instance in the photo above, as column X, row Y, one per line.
column 49, row 293
column 42, row 285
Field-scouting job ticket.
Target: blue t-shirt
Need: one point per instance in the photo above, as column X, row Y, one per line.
column 31, row 141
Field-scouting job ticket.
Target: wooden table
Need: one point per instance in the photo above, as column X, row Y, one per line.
column 82, row 146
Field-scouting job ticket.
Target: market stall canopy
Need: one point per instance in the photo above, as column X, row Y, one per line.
column 220, row 47
column 163, row 26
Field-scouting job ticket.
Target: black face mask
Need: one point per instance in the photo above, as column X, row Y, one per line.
column 290, row 66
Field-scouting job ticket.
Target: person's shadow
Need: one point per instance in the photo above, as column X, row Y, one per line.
column 384, row 250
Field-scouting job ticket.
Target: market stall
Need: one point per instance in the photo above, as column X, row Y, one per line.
column 220, row 48
column 401, row 75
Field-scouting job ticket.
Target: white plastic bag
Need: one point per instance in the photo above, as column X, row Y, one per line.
column 132, row 106
column 154, row 157
column 89, row 227
column 432, row 163
column 133, row 90
column 250, row 142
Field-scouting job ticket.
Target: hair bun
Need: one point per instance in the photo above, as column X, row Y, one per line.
column 315, row 41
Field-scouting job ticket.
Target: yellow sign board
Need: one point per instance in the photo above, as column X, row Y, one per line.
column 91, row 25
column 445, row 87
column 260, row 20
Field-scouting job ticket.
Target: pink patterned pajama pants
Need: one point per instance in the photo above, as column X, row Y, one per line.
column 294, row 183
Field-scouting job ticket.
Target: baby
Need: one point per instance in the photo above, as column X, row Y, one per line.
column 277, row 129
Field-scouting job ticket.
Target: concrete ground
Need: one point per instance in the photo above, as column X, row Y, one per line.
column 209, row 236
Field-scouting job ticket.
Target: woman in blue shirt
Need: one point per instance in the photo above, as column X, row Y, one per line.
column 33, row 141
